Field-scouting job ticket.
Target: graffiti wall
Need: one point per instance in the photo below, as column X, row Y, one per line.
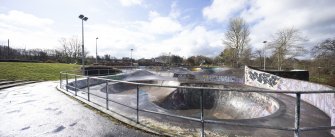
column 325, row 102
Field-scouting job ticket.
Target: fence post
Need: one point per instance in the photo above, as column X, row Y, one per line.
column 88, row 88
column 297, row 116
column 107, row 95
column 67, row 82
column 137, row 102
column 202, row 113
column 75, row 87
column 108, row 71
column 98, row 72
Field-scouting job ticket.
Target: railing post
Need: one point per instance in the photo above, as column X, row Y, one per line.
column 60, row 80
column 75, row 87
column 67, row 82
column 297, row 116
column 108, row 71
column 137, row 102
column 88, row 88
column 107, row 95
column 98, row 72
column 202, row 113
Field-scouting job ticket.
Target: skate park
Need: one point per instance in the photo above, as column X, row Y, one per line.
column 202, row 102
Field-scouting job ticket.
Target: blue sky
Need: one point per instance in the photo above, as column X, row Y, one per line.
column 156, row 27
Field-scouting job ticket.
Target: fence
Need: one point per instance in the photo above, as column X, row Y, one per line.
column 87, row 82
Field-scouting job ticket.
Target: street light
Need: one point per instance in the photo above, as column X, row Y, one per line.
column 131, row 57
column 264, row 53
column 319, row 73
column 83, row 18
column 170, row 59
column 96, row 50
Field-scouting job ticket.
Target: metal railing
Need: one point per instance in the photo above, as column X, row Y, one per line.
column 296, row 129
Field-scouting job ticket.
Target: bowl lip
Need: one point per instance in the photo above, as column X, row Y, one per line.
column 281, row 106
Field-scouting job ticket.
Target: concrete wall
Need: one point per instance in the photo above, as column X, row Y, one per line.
column 325, row 102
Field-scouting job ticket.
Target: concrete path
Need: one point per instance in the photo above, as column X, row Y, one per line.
column 40, row 110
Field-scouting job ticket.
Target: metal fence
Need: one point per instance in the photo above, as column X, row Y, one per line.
column 65, row 77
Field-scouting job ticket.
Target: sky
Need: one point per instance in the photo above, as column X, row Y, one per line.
column 156, row 27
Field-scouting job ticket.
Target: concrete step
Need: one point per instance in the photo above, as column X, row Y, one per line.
column 16, row 84
column 5, row 82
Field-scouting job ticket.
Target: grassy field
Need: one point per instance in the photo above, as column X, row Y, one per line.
column 33, row 71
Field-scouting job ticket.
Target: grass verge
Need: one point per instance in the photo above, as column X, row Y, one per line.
column 33, row 71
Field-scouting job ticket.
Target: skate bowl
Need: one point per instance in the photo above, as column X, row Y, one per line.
column 217, row 105
column 164, row 104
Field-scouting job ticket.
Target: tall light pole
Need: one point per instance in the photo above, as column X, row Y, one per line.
column 8, row 50
column 83, row 18
column 264, row 53
column 96, row 50
column 131, row 57
column 170, row 59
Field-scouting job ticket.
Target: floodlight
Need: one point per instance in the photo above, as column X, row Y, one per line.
column 81, row 16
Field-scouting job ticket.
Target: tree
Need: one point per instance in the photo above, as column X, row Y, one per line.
column 325, row 54
column 191, row 61
column 247, row 56
column 259, row 54
column 70, row 48
column 227, row 56
column 287, row 43
column 176, row 60
column 237, row 38
column 325, row 48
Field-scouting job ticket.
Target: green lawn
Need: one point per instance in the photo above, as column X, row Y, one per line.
column 33, row 71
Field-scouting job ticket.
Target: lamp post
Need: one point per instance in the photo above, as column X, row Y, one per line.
column 169, row 59
column 264, row 53
column 83, row 18
column 319, row 73
column 131, row 57
column 96, row 50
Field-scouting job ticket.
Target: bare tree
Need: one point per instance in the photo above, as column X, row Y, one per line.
column 287, row 44
column 70, row 48
column 259, row 54
column 237, row 37
column 325, row 54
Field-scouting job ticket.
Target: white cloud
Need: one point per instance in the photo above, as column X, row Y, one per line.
column 312, row 18
column 174, row 12
column 18, row 19
column 27, row 30
column 194, row 41
column 315, row 19
column 117, row 39
column 128, row 3
column 163, row 25
column 158, row 24
column 222, row 10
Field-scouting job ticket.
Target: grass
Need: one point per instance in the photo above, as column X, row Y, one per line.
column 323, row 79
column 33, row 71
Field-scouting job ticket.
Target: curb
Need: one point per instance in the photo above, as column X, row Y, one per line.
column 117, row 116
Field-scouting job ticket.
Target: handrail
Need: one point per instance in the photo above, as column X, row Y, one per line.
column 297, row 129
column 210, row 88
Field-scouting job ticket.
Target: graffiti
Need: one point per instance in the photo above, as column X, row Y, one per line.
column 184, row 76
column 264, row 78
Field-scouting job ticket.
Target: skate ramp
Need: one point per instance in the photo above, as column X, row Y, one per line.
column 221, row 104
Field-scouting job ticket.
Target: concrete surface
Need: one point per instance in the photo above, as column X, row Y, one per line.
column 325, row 102
column 284, row 117
column 40, row 110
